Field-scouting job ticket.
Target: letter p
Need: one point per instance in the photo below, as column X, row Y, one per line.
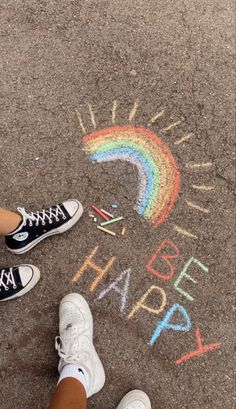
column 166, row 324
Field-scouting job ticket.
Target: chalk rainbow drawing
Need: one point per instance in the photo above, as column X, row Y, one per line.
column 159, row 177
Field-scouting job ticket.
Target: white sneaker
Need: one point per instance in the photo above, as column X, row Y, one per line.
column 75, row 343
column 135, row 400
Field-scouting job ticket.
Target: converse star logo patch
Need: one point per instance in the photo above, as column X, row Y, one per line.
column 21, row 236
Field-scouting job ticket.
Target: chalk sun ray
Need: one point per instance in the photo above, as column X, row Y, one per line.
column 155, row 117
column 113, row 112
column 184, row 232
column 92, row 116
column 197, row 207
column 203, row 165
column 133, row 111
column 171, row 126
column 80, row 122
column 203, row 187
column 183, row 139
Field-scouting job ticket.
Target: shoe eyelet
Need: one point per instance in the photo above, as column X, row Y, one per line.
column 64, row 217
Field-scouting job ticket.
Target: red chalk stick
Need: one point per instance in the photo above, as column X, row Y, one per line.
column 100, row 213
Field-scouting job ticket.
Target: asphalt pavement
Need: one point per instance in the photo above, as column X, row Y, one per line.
column 69, row 68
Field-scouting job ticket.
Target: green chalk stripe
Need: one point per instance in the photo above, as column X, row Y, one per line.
column 117, row 219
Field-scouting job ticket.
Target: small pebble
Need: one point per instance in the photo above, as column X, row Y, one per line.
column 133, row 72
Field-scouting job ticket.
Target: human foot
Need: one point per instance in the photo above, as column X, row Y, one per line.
column 36, row 226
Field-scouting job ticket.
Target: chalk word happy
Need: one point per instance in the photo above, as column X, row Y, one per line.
column 165, row 252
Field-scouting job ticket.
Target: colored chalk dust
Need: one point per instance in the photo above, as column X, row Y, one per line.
column 159, row 177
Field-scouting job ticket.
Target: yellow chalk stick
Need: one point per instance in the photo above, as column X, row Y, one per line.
column 106, row 230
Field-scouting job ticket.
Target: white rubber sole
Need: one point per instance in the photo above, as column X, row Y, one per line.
column 60, row 230
column 30, row 285
column 100, row 376
column 131, row 397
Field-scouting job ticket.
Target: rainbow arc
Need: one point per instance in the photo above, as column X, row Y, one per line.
column 159, row 177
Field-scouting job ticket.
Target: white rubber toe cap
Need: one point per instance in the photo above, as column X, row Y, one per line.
column 29, row 275
column 135, row 400
column 73, row 206
column 74, row 309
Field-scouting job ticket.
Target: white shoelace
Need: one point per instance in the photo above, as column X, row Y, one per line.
column 68, row 345
column 9, row 279
column 42, row 216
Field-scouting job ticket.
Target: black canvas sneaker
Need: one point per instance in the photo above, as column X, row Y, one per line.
column 36, row 226
column 17, row 281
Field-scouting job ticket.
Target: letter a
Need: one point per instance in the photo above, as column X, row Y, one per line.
column 125, row 275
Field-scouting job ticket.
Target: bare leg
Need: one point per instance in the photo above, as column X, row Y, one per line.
column 70, row 394
column 8, row 221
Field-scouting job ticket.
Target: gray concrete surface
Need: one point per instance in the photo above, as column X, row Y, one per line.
column 56, row 57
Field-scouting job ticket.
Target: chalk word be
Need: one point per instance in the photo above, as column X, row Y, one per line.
column 122, row 283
